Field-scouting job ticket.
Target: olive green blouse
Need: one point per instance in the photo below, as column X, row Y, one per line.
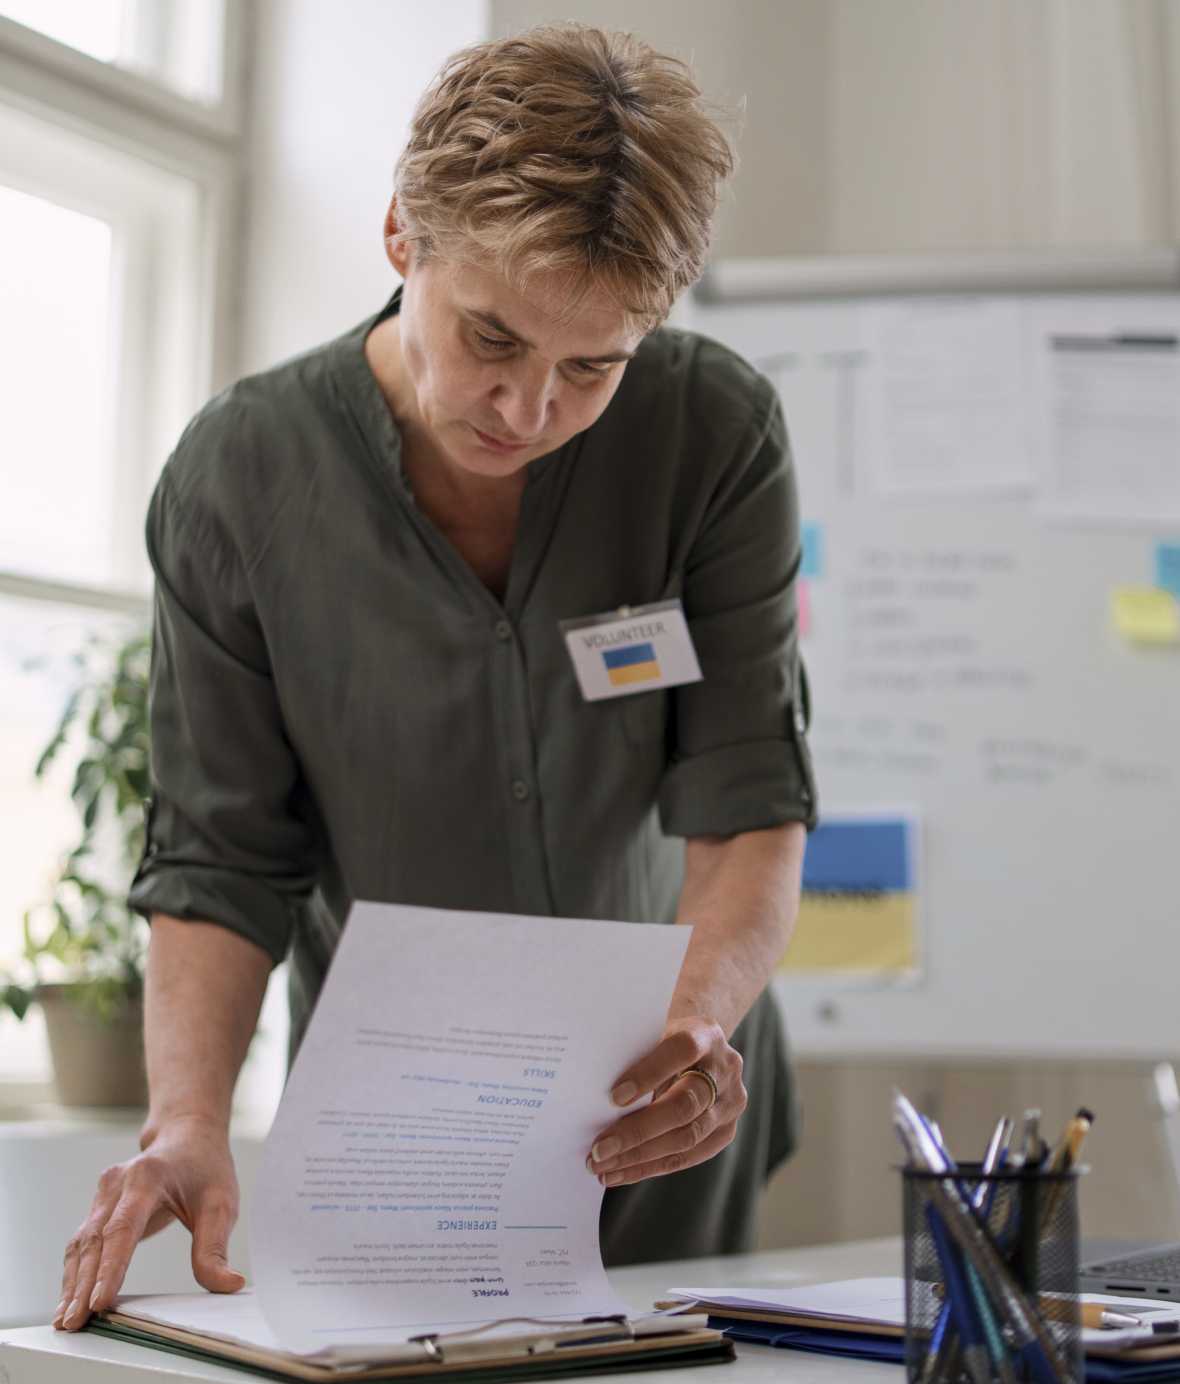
column 341, row 710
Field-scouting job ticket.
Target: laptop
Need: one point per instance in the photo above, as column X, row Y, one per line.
column 1146, row 1269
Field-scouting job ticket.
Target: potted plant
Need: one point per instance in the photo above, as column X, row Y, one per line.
column 84, row 949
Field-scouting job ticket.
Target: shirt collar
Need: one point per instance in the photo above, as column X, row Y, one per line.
column 364, row 398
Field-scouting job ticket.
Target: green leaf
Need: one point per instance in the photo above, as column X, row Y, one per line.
column 49, row 753
column 16, row 998
column 84, row 776
column 83, row 925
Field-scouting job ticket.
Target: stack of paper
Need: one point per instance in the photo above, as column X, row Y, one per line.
column 864, row 1318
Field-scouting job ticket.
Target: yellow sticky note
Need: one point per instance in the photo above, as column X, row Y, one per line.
column 1146, row 614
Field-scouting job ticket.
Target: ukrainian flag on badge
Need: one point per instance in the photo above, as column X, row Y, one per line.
column 636, row 663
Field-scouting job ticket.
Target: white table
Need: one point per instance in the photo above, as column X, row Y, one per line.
column 40, row 1355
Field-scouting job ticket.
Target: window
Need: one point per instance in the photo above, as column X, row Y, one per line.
column 120, row 152
column 93, row 28
column 178, row 43
column 101, row 287
column 55, row 501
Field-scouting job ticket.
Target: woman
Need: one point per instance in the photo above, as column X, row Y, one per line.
column 368, row 560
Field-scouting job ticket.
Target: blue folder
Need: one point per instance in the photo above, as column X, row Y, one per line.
column 856, row 1345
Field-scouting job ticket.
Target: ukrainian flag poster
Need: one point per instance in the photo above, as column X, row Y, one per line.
column 859, row 908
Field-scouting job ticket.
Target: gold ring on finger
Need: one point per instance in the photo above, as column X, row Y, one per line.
column 700, row 1071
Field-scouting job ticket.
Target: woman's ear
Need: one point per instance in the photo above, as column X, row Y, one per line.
column 397, row 247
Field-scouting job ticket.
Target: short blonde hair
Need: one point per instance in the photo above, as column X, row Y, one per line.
column 568, row 149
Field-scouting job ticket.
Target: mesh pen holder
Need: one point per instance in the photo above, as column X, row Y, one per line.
column 991, row 1271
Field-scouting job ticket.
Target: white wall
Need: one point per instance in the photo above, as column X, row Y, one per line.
column 913, row 125
column 330, row 99
column 927, row 125
column 954, row 125
column 765, row 65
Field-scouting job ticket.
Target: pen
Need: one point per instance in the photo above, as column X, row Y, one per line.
column 981, row 1199
column 956, row 1336
column 991, row 1161
column 979, row 1335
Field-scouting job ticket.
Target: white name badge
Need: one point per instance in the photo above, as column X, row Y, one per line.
column 635, row 649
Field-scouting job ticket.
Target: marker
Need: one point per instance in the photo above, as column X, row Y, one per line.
column 1033, row 1147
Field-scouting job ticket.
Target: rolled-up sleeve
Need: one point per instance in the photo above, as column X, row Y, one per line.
column 230, row 835
column 740, row 758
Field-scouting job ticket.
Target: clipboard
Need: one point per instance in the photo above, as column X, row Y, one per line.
column 594, row 1345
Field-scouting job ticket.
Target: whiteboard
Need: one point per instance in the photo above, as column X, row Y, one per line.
column 964, row 664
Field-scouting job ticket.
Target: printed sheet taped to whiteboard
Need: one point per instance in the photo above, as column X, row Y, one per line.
column 859, row 913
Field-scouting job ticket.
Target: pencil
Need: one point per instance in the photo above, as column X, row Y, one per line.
column 1065, row 1155
column 1100, row 1318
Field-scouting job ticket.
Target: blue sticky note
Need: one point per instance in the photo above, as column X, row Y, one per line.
column 813, row 551
column 1167, row 567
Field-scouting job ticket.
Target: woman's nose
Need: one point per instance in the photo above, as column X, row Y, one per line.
column 523, row 402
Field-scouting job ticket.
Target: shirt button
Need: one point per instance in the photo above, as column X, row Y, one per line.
column 503, row 630
column 520, row 790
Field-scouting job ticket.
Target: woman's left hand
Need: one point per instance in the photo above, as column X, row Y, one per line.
column 686, row 1123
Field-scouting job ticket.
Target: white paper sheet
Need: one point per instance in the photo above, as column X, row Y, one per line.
column 876, row 1301
column 234, row 1317
column 426, row 1169
column 1114, row 416
column 945, row 404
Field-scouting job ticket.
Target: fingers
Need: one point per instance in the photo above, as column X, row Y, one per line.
column 684, row 1103
column 672, row 1054
column 80, row 1263
column 125, row 1227
column 127, row 1206
column 215, row 1219
column 683, row 1119
column 187, row 1176
column 686, row 1122
column 673, row 1162
column 680, row 1101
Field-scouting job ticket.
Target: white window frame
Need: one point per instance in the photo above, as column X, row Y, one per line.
column 145, row 120
column 205, row 143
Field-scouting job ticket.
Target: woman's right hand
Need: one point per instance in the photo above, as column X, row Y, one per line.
column 185, row 1172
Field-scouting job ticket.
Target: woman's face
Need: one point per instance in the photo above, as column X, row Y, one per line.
column 489, row 377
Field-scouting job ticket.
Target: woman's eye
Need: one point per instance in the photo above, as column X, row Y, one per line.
column 496, row 345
